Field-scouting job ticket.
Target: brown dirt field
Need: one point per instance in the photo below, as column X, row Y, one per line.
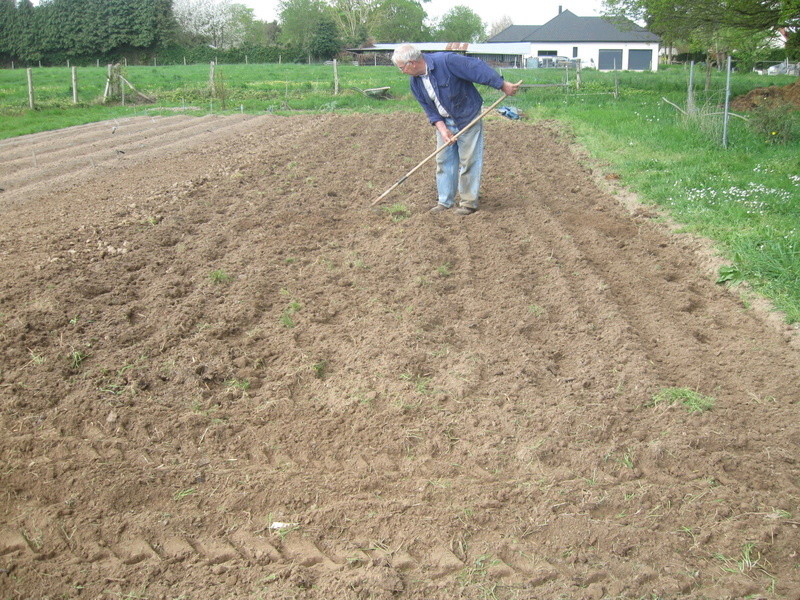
column 438, row 407
column 770, row 96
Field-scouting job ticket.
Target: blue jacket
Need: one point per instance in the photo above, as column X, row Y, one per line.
column 452, row 76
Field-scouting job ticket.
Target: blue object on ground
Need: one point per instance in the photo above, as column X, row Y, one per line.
column 509, row 111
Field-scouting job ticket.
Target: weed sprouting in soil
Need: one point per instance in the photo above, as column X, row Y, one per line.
column 181, row 494
column 397, row 211
column 120, row 381
column 693, row 401
column 219, row 276
column 76, row 359
column 747, row 562
column 535, row 310
column 421, row 384
column 444, row 270
column 237, row 385
column 477, row 572
column 320, row 368
column 36, row 359
column 287, row 316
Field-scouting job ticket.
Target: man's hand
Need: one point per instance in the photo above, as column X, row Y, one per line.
column 509, row 89
column 446, row 134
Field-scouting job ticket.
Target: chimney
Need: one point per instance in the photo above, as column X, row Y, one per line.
column 559, row 9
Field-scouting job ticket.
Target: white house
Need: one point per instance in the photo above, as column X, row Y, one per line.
column 598, row 42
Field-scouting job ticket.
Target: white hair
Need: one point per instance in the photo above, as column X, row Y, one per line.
column 405, row 53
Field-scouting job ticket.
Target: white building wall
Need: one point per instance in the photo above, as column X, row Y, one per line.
column 589, row 53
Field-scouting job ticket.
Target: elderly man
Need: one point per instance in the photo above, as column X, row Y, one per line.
column 442, row 83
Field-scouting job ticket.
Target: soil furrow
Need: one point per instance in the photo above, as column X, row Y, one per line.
column 111, row 155
column 41, row 148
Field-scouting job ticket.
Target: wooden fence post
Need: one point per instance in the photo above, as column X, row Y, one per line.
column 74, row 85
column 30, row 89
column 335, row 79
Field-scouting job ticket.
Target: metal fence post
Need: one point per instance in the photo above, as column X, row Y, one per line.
column 726, row 118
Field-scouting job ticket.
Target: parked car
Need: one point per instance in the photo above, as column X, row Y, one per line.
column 784, row 68
column 553, row 62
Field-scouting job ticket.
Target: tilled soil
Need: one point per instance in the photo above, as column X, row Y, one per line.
column 224, row 375
column 770, row 96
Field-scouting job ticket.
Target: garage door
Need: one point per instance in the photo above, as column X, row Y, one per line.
column 640, row 60
column 610, row 60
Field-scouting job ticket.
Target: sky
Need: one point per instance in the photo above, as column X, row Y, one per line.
column 522, row 12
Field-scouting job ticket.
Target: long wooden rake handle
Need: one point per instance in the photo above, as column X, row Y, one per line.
column 440, row 148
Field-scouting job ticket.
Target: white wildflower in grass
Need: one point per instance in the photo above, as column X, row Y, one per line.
column 795, row 179
column 755, row 198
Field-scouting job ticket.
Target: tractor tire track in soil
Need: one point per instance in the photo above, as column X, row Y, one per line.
column 207, row 332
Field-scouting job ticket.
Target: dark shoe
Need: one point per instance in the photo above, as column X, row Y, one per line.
column 439, row 208
column 465, row 210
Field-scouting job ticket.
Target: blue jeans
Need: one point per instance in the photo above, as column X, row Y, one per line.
column 459, row 166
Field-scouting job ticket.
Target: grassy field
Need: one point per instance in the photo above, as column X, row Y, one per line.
column 745, row 197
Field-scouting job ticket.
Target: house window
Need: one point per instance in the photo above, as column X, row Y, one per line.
column 574, row 52
column 547, row 53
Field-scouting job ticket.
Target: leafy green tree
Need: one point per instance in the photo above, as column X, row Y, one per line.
column 262, row 33
column 677, row 16
column 793, row 44
column 298, row 20
column 460, row 24
column 400, row 21
column 715, row 27
column 748, row 46
column 25, row 39
column 325, row 42
column 354, row 19
column 8, row 15
column 101, row 28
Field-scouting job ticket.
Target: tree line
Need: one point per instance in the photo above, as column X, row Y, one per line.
column 85, row 31
column 746, row 29
column 141, row 31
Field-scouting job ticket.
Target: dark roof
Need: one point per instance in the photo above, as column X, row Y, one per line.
column 568, row 27
column 514, row 33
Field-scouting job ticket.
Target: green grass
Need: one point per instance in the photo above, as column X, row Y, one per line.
column 220, row 276
column 287, row 316
column 237, row 385
column 744, row 197
column 693, row 401
column 398, row 212
column 271, row 88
